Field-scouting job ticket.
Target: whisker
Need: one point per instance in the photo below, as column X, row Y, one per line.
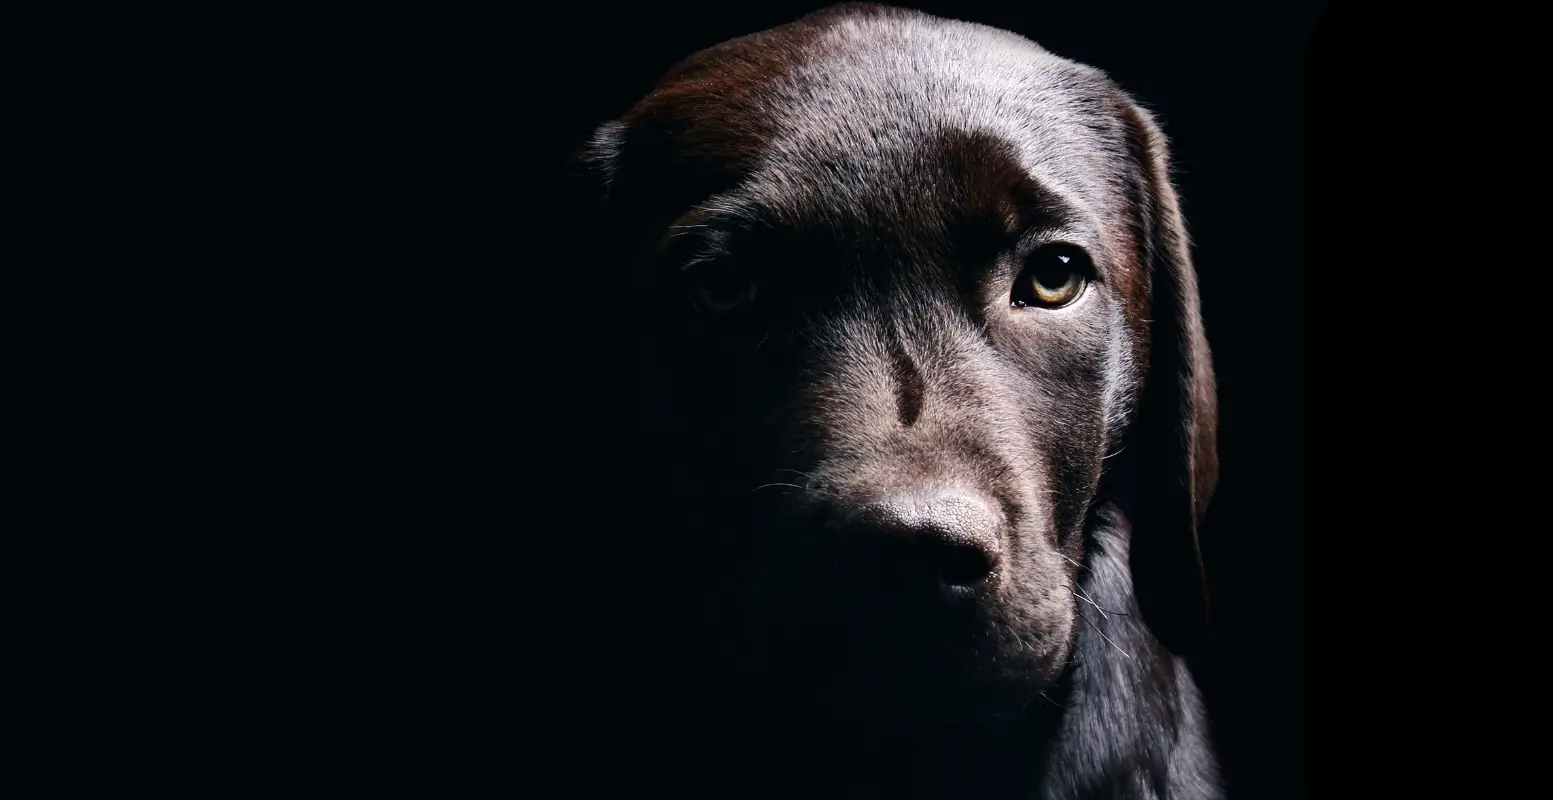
column 1097, row 605
column 1077, row 593
column 1103, row 636
column 1087, row 598
column 1071, row 561
column 769, row 485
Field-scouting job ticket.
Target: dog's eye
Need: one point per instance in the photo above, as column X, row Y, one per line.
column 1054, row 276
column 722, row 291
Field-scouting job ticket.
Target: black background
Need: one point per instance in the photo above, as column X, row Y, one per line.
column 464, row 451
column 400, row 473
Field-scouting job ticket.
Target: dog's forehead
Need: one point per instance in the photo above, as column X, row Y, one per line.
column 878, row 92
column 867, row 113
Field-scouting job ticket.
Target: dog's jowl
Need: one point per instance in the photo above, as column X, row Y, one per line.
column 927, row 413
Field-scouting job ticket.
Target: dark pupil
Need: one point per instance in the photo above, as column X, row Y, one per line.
column 723, row 289
column 1053, row 272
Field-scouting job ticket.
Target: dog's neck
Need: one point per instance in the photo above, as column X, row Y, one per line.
column 1138, row 731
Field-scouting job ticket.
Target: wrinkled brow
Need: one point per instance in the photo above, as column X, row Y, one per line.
column 707, row 229
column 1013, row 213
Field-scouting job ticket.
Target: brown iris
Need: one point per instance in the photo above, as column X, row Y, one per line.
column 1054, row 276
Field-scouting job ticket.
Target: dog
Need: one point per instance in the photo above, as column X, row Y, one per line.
column 925, row 411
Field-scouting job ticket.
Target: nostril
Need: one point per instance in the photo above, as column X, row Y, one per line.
column 922, row 540
column 961, row 565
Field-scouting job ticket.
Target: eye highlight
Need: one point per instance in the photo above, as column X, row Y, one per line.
column 1054, row 276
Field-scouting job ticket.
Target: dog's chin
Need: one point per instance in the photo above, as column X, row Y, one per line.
column 988, row 687
column 960, row 683
column 957, row 705
column 926, row 705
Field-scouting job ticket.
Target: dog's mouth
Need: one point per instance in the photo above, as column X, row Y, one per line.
column 904, row 661
column 902, row 627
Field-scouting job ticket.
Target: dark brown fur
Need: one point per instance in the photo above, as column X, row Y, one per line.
column 879, row 176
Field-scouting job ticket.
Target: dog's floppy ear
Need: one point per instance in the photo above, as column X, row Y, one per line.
column 601, row 220
column 1177, row 422
column 593, row 165
column 620, row 189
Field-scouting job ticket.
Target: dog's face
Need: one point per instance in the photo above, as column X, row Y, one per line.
column 893, row 284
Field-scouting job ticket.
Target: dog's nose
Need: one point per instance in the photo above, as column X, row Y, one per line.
column 946, row 538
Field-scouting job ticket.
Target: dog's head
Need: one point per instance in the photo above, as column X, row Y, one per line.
column 907, row 291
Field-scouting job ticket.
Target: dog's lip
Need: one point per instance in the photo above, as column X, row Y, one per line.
column 934, row 596
column 972, row 593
